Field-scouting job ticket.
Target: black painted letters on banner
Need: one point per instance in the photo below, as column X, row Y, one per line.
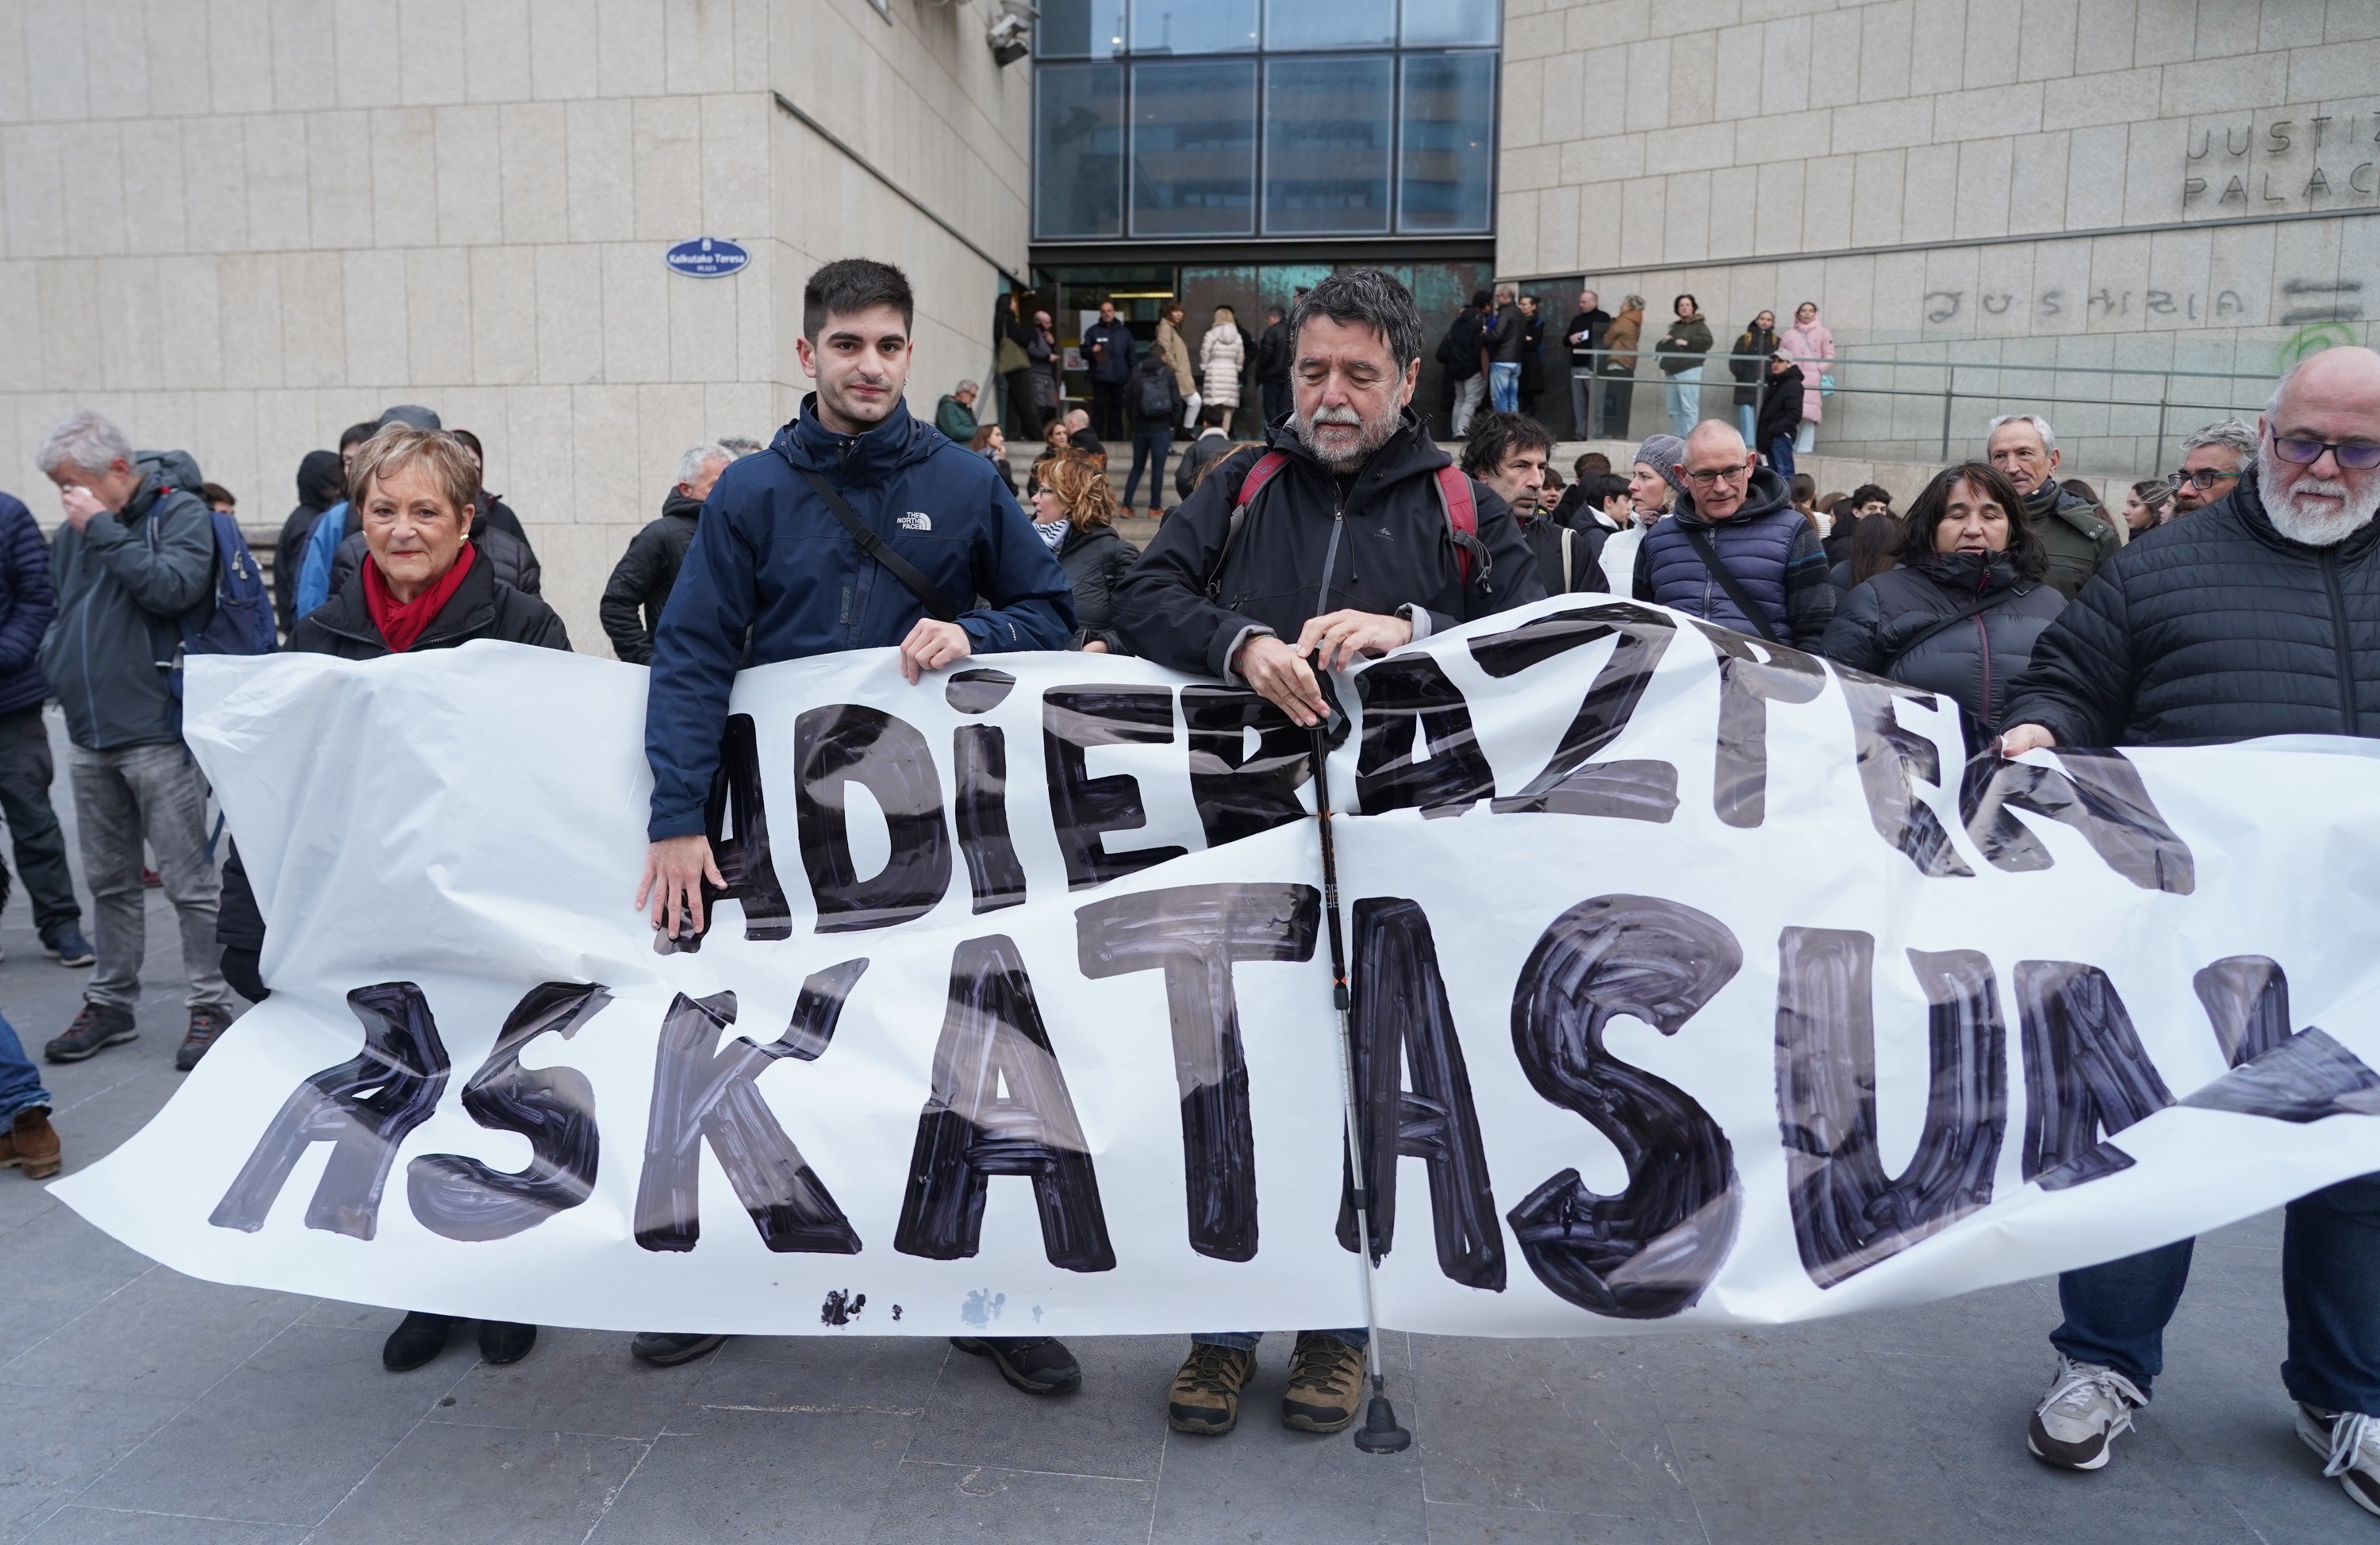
column 1084, row 808
column 843, row 744
column 1892, row 761
column 1752, row 675
column 2085, row 1073
column 1419, row 749
column 1573, row 783
column 2098, row 793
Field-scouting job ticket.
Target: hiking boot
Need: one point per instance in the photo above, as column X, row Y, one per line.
column 417, row 1339
column 503, row 1342
column 1205, row 1399
column 2089, row 1406
column 667, row 1348
column 1325, row 1383
column 1038, row 1365
column 65, row 944
column 32, row 1142
column 207, row 1026
column 2348, row 1441
column 96, row 1027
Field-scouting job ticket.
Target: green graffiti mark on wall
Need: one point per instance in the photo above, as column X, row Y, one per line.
column 2311, row 339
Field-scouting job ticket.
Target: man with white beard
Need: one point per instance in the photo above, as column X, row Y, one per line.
column 1345, row 538
column 2260, row 615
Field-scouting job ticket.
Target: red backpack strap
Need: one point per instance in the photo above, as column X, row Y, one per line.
column 1267, row 467
column 1462, row 518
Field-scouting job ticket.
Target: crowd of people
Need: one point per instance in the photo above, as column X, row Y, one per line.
column 2240, row 597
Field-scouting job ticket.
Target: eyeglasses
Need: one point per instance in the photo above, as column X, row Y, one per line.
column 2358, row 455
column 2206, row 477
column 1723, row 474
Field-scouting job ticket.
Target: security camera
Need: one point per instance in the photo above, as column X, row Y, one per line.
column 1011, row 37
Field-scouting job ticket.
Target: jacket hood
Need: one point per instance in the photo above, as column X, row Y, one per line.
column 1767, row 493
column 1970, row 573
column 2053, row 500
column 675, row 503
column 902, row 439
column 320, row 479
column 1407, row 453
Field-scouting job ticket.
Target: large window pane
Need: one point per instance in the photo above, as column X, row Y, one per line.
column 1446, row 166
column 1328, row 132
column 1193, row 26
column 1079, row 30
column 1302, row 24
column 1194, row 149
column 1441, row 23
column 1078, row 149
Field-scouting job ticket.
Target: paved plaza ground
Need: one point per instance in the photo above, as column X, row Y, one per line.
column 143, row 1406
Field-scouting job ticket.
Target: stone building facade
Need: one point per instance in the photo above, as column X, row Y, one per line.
column 240, row 226
column 2151, row 186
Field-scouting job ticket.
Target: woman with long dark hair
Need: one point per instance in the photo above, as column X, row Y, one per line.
column 1959, row 611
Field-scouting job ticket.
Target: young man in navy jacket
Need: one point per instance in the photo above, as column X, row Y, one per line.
column 772, row 573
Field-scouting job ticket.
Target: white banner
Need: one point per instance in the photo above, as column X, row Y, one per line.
column 1691, row 985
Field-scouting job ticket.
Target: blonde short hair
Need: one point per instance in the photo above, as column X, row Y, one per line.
column 397, row 447
column 1074, row 477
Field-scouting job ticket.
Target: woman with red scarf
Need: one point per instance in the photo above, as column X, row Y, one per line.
column 424, row 585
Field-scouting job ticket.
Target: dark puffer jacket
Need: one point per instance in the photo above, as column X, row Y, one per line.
column 322, row 482
column 2212, row 629
column 1877, row 627
column 2078, row 539
column 1095, row 559
column 1770, row 548
column 641, row 581
column 1312, row 543
column 515, row 564
column 26, row 605
column 482, row 607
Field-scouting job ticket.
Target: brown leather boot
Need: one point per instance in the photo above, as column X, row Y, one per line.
column 32, row 1142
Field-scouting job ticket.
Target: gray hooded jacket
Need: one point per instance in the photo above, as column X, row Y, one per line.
column 122, row 584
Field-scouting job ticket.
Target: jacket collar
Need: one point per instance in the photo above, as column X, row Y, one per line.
column 810, row 445
column 1408, row 453
column 470, row 610
column 2246, row 502
column 1970, row 573
column 2051, row 501
column 678, row 506
column 1767, row 493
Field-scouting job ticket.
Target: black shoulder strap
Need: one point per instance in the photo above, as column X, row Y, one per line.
column 1971, row 609
column 1743, row 603
column 877, row 548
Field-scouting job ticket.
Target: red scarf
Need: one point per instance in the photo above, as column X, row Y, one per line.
column 401, row 623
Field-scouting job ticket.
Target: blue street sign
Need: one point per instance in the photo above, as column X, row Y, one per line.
column 708, row 258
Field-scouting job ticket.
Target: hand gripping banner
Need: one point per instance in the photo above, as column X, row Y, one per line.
column 1694, row 984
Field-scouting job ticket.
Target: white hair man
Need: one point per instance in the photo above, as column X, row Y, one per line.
column 2212, row 463
column 133, row 557
column 2258, row 615
column 2077, row 535
column 647, row 572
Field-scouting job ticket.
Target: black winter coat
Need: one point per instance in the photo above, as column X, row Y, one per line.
column 1272, row 353
column 1780, row 409
column 322, row 482
column 1533, row 354
column 642, row 580
column 482, row 607
column 1749, row 373
column 1095, row 560
column 1877, row 627
column 1546, row 536
column 1206, row 448
column 494, row 514
column 2214, row 628
column 514, row 563
column 2070, row 527
column 1382, row 534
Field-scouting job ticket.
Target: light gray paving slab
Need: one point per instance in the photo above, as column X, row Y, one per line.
column 448, row 1482
column 972, row 1501
column 98, row 1526
column 55, row 1443
column 756, row 1476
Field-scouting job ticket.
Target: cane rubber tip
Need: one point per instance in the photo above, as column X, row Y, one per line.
column 1381, row 1433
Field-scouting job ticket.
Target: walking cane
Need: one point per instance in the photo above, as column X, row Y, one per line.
column 1380, row 1434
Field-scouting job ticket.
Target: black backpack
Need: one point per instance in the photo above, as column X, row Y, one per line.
column 1459, row 350
column 1157, row 389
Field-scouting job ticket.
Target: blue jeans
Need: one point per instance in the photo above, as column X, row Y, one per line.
column 1147, row 445
column 1246, row 1341
column 1780, row 455
column 1745, row 416
column 1684, row 392
column 20, row 1086
column 2116, row 1314
column 1504, row 386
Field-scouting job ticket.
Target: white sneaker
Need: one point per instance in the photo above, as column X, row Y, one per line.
column 2350, row 1443
column 2087, row 1409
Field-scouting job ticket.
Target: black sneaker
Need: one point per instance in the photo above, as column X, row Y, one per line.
column 95, row 1027
column 668, row 1348
column 65, row 944
column 1038, row 1365
column 417, row 1339
column 207, row 1026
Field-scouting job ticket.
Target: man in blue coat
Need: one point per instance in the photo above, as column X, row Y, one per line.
column 1108, row 355
column 773, row 573
column 26, row 605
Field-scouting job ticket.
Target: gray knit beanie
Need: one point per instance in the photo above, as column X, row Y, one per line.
column 1663, row 453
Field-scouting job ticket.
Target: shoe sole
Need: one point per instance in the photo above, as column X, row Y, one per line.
column 76, row 961
column 2314, row 1438
column 699, row 1349
column 1017, row 1380
column 2072, row 1458
column 50, row 1055
column 1200, row 1429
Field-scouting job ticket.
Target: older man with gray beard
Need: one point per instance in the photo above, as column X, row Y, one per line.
column 1337, row 540
column 2257, row 615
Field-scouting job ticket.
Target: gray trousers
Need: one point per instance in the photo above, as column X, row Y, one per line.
column 121, row 797
column 1467, row 398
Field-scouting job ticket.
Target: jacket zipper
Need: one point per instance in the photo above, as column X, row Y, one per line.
column 2338, row 638
column 1984, row 652
column 1330, row 553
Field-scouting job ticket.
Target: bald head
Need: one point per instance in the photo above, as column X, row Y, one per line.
column 2329, row 404
column 1718, row 469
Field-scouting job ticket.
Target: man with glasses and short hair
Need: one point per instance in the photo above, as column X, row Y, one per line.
column 2259, row 615
column 1734, row 550
column 2212, row 463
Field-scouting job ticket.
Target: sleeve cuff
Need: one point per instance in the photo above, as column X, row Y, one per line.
column 1231, row 671
column 665, row 826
